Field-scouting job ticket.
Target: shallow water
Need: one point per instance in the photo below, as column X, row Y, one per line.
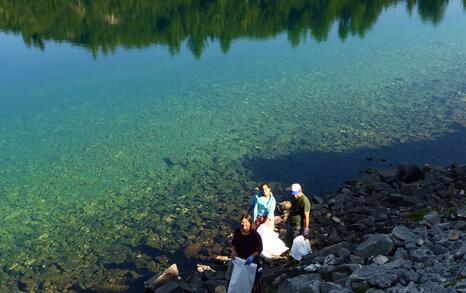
column 113, row 163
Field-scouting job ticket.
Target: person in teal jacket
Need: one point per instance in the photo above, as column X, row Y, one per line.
column 263, row 206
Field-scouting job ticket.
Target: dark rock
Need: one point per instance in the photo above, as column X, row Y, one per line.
column 301, row 283
column 461, row 212
column 366, row 179
column 356, row 259
column 330, row 260
column 439, row 249
column 22, row 286
column 411, row 288
column 422, row 254
column 174, row 286
column 403, row 233
column 389, row 176
column 192, row 250
column 338, row 276
column 375, row 245
column 327, row 287
column 401, row 253
column 461, row 251
column 432, row 217
column 383, row 280
column 410, row 173
column 343, row 253
column 375, row 275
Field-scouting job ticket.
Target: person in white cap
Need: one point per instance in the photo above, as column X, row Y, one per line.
column 300, row 214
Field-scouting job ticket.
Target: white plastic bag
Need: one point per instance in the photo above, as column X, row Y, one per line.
column 242, row 278
column 272, row 246
column 300, row 248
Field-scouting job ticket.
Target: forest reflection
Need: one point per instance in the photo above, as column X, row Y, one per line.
column 105, row 25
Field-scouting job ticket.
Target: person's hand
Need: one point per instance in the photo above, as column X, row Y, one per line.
column 249, row 260
column 306, row 232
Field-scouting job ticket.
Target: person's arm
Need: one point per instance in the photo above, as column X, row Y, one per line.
column 253, row 203
column 271, row 207
column 271, row 212
column 307, row 219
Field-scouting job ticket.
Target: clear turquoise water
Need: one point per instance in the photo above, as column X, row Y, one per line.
column 114, row 164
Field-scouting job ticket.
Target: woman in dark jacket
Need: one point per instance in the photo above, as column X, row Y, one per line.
column 247, row 244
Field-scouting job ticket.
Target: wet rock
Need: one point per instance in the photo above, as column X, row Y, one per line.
column 22, row 286
column 366, row 179
column 192, row 250
column 410, row 173
column 389, row 176
column 170, row 274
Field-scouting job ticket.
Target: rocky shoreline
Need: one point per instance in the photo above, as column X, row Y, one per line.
column 398, row 230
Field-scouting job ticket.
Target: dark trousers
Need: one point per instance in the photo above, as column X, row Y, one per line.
column 292, row 231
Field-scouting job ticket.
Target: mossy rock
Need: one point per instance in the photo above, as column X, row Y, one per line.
column 417, row 215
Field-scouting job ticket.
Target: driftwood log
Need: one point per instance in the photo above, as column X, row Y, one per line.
column 170, row 274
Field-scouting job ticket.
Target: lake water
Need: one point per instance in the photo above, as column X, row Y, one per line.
column 129, row 132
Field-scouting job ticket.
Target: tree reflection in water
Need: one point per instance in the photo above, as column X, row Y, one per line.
column 107, row 24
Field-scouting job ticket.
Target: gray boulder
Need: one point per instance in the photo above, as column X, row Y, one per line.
column 327, row 287
column 307, row 283
column 432, row 217
column 404, row 233
column 389, row 176
column 375, row 245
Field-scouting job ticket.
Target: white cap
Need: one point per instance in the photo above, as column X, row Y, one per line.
column 295, row 188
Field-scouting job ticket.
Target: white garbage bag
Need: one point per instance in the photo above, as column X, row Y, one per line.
column 272, row 246
column 242, row 278
column 300, row 247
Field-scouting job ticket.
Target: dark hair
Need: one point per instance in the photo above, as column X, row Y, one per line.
column 247, row 217
column 264, row 184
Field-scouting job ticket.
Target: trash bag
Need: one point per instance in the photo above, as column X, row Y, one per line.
column 272, row 246
column 242, row 278
column 300, row 247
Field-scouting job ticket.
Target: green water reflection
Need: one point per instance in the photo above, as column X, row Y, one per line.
column 106, row 25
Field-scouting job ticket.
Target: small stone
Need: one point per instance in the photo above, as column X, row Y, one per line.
column 401, row 253
column 454, row 235
column 312, row 268
column 336, row 220
column 461, row 212
column 380, row 259
column 375, row 245
column 330, row 260
column 403, row 233
column 432, row 217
